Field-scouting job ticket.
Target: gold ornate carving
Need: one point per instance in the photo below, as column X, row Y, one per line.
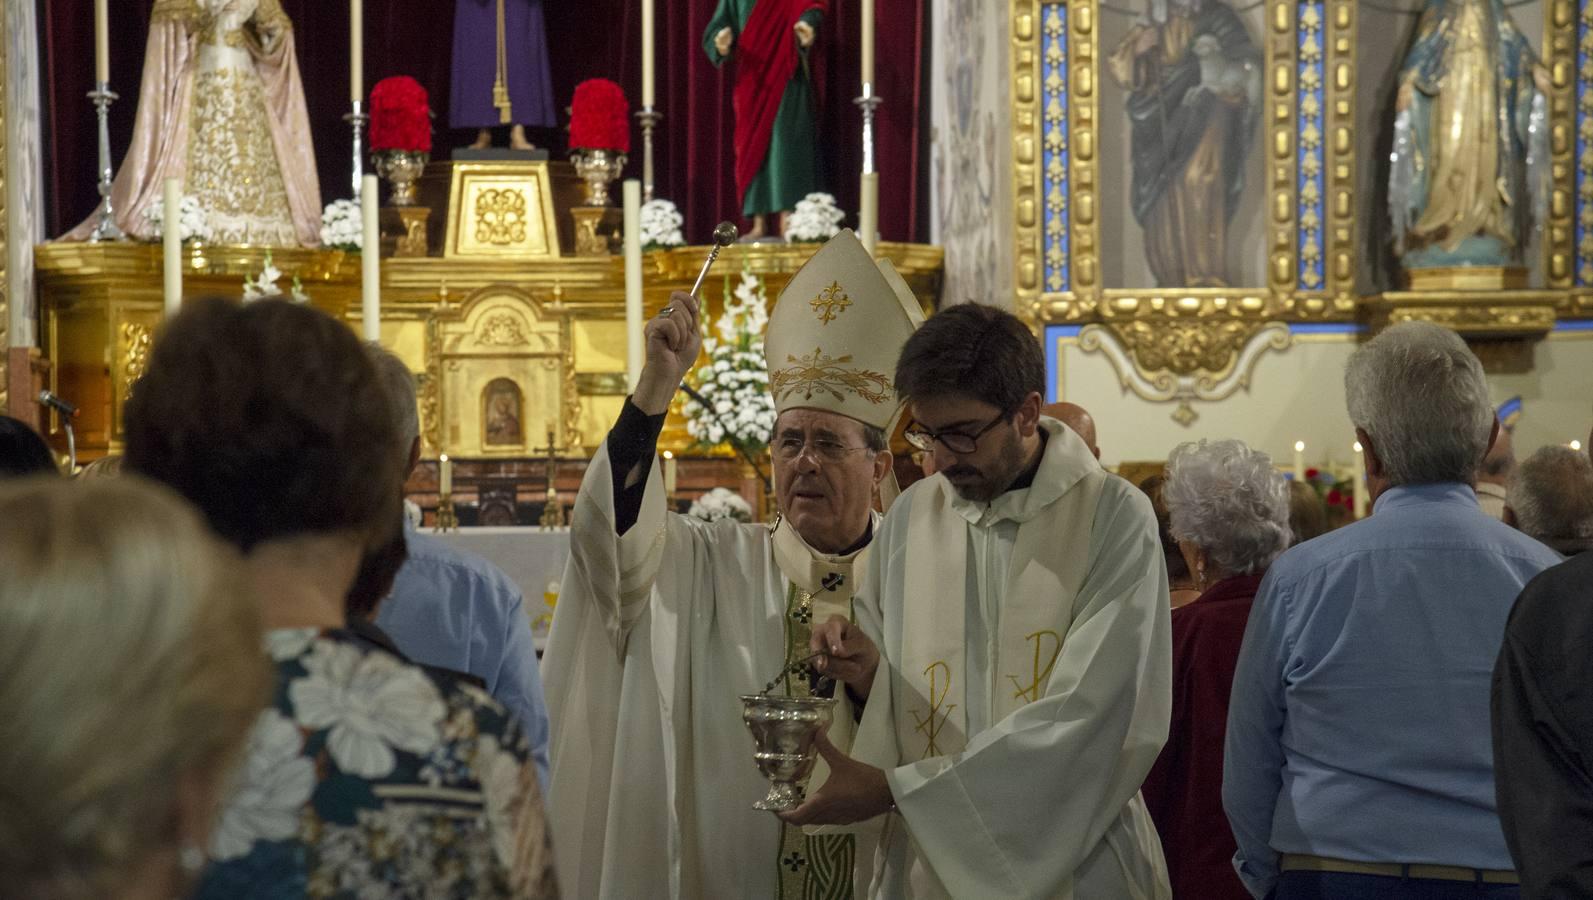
column 501, row 330
column 598, row 229
column 1560, row 246
column 830, row 303
column 1182, row 360
column 817, row 372
column 1475, row 320
column 500, row 215
column 429, row 388
column 136, row 340
column 405, row 227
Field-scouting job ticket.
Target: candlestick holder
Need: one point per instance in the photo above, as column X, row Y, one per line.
column 105, row 228
column 868, row 103
column 552, row 511
column 649, row 117
column 357, row 121
column 447, row 519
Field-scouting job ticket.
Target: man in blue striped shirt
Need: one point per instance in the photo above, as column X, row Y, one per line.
column 1358, row 760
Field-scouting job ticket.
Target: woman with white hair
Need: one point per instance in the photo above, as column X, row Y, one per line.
column 1230, row 516
column 133, row 672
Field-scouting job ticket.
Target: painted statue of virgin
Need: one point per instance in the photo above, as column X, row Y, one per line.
column 1470, row 165
column 221, row 109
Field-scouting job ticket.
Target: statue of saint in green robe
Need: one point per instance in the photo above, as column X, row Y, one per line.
column 775, row 138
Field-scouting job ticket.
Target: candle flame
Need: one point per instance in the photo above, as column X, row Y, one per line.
column 1576, row 445
column 1357, row 446
column 443, row 458
column 669, row 454
column 1299, row 446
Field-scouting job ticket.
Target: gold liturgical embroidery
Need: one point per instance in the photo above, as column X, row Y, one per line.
column 812, row 866
column 935, row 717
column 232, row 166
column 830, row 303
column 817, row 372
column 1042, row 672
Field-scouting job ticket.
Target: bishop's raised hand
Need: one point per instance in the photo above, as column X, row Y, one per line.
column 673, row 339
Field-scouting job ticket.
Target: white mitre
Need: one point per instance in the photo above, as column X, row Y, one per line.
column 836, row 333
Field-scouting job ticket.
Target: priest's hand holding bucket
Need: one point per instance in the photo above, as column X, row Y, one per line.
column 854, row 792
column 674, row 339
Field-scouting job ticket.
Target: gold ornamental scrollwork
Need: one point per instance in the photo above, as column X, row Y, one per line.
column 501, row 217
column 1185, row 361
column 429, row 392
column 136, row 341
column 502, row 330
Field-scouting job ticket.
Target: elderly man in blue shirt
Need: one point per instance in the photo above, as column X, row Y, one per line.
column 1358, row 760
column 454, row 610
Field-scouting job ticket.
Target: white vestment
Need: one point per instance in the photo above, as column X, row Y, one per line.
column 1025, row 686
column 655, row 636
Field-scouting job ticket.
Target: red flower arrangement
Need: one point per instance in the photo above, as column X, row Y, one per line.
column 400, row 116
column 600, row 117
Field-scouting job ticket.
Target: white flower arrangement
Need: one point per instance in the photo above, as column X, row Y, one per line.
column 661, row 222
column 735, row 381
column 265, row 284
column 191, row 222
column 816, row 219
column 721, row 503
column 341, row 226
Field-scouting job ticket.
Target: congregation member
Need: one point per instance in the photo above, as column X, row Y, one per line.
column 1019, row 605
column 452, row 609
column 1180, row 584
column 664, row 620
column 22, row 451
column 132, row 676
column 1230, row 514
column 1077, row 418
column 1307, row 513
column 1357, row 760
column 1493, row 476
column 1551, row 498
column 365, row 775
column 1543, row 733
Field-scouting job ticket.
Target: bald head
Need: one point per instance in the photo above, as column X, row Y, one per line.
column 1077, row 418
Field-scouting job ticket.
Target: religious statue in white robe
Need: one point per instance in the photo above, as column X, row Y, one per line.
column 221, row 109
column 1025, row 686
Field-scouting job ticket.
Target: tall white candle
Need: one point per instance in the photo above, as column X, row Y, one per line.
column 445, row 476
column 868, row 212
column 648, row 87
column 356, row 50
column 370, row 264
column 634, row 347
column 669, row 473
column 172, row 245
column 1299, row 460
column 868, row 41
column 1358, row 482
column 102, row 41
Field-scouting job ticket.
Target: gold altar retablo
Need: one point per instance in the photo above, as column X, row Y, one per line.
column 502, row 209
column 1467, row 278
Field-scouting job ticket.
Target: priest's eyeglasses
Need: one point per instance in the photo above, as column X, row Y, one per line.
column 955, row 441
column 787, row 449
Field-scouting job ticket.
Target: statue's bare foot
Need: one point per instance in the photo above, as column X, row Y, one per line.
column 760, row 227
column 483, row 140
column 517, row 139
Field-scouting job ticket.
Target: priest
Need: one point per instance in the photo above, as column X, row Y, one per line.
column 665, row 620
column 1019, row 603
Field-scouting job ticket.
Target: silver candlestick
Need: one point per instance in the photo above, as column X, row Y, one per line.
column 357, row 120
column 105, row 229
column 868, row 103
column 649, row 118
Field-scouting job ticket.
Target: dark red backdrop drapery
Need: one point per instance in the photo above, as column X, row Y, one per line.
column 587, row 39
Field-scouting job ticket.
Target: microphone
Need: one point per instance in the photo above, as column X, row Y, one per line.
column 56, row 403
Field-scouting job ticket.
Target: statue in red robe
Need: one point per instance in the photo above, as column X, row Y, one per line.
column 775, row 138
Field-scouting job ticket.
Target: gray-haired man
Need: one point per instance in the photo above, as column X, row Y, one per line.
column 1358, row 760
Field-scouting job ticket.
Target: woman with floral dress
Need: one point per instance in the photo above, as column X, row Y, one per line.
column 366, row 776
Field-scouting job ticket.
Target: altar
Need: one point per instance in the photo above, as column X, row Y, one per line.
column 533, row 558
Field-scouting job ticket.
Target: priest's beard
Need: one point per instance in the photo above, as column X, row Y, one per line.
column 983, row 481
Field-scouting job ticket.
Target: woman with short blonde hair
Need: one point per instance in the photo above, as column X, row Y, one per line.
column 133, row 671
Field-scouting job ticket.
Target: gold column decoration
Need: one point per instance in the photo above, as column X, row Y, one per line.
column 1565, row 112
column 1341, row 118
